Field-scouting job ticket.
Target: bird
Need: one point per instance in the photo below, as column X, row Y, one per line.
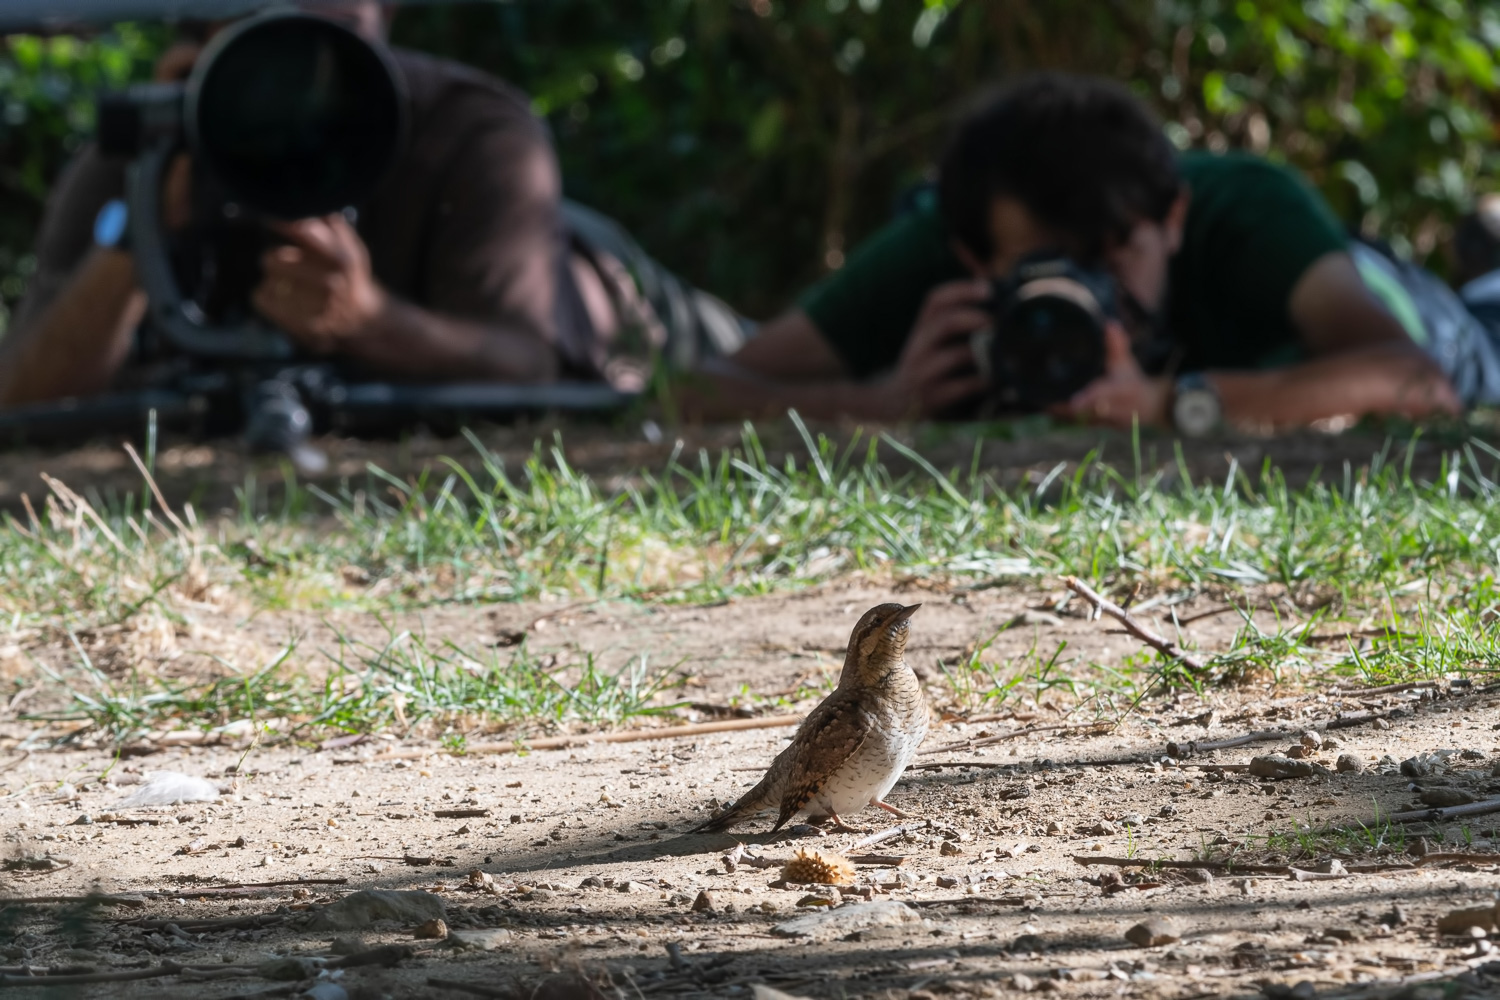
column 852, row 748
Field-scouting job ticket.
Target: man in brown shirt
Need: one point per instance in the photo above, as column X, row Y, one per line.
column 458, row 268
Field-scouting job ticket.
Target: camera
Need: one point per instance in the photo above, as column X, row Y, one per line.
column 1046, row 339
column 286, row 115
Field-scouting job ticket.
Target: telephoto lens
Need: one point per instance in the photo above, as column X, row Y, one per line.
column 1047, row 341
column 295, row 115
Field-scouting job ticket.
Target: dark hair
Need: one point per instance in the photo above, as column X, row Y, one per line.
column 1081, row 153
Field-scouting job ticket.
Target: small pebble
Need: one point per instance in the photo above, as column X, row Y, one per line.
column 1153, row 933
column 432, row 930
column 1443, row 796
column 1349, row 763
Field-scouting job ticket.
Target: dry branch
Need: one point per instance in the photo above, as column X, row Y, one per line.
column 475, row 989
column 624, row 736
column 985, row 741
column 884, row 835
column 1438, row 815
column 119, row 976
column 1132, row 625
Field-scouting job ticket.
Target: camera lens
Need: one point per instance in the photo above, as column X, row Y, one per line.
column 296, row 115
column 1054, row 347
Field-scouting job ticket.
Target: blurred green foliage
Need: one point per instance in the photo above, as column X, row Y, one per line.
column 749, row 143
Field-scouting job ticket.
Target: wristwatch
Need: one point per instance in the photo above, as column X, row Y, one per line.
column 112, row 225
column 1196, row 409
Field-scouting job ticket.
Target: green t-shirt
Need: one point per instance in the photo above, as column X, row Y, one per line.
column 1252, row 231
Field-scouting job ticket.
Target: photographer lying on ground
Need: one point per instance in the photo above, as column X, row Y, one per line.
column 464, row 264
column 1237, row 295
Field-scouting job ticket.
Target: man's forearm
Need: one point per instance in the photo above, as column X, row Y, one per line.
column 1393, row 379
column 413, row 343
column 78, row 342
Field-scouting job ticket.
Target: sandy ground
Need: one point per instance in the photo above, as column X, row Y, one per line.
column 587, row 864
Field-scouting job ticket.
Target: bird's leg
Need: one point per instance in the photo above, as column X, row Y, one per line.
column 839, row 826
column 890, row 809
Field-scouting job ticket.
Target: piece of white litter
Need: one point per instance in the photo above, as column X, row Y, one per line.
column 166, row 788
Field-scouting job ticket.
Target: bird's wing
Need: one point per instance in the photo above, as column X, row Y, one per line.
column 832, row 734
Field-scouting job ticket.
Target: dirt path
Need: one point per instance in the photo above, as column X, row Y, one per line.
column 589, row 866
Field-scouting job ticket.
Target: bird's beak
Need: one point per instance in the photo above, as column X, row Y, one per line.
column 907, row 612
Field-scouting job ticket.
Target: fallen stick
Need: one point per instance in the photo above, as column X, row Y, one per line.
column 1451, row 858
column 476, row 989
column 1134, row 627
column 1251, row 869
column 625, row 736
column 884, row 835
column 1213, row 613
column 1300, row 874
column 123, row 976
column 211, row 923
column 939, row 765
column 1181, row 751
column 209, row 890
column 460, row 813
column 985, row 741
column 132, row 901
column 1436, row 815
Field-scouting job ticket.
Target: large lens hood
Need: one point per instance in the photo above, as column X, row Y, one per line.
column 295, row 114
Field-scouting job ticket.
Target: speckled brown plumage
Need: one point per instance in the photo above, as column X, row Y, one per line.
column 854, row 746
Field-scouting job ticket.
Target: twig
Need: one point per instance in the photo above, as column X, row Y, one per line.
column 884, row 835
column 1386, row 688
column 1134, row 627
column 11, row 764
column 385, row 956
column 1452, row 858
column 1182, row 751
column 213, row 923
column 132, row 901
column 460, row 813
column 985, row 741
column 209, row 890
column 475, row 988
column 1437, row 815
column 122, row 976
column 625, row 736
column 1091, row 859
column 1369, row 633
column 879, row 860
column 1300, row 874
column 939, row 765
column 1214, row 613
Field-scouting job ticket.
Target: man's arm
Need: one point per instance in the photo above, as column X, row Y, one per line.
column 1363, row 364
column 320, row 289
column 789, row 365
column 81, row 337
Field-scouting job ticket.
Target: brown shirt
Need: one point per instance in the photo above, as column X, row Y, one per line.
column 467, row 223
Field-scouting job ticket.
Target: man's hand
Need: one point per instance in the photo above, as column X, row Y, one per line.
column 1124, row 394
column 936, row 370
column 319, row 288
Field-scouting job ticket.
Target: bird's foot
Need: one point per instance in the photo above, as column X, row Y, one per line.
column 890, row 809
column 839, row 826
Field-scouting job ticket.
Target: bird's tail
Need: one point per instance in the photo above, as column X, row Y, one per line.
column 757, row 799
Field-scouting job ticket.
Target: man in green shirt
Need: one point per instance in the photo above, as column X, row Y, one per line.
column 1231, row 260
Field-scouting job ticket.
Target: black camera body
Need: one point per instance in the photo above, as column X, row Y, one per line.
column 286, row 115
column 1046, row 341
